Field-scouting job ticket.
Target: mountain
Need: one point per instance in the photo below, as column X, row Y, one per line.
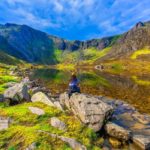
column 34, row 46
column 135, row 39
column 25, row 43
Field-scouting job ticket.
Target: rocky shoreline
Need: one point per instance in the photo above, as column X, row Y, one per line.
column 119, row 121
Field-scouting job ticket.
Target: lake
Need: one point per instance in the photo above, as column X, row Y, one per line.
column 132, row 89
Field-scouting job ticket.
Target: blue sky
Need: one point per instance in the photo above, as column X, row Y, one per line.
column 76, row 19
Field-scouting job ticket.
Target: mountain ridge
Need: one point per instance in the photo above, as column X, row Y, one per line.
column 34, row 46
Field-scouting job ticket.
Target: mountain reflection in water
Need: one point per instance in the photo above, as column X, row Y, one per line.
column 132, row 89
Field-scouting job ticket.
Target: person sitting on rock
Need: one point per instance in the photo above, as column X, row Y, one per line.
column 74, row 85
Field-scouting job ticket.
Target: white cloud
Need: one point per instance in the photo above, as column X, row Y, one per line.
column 105, row 17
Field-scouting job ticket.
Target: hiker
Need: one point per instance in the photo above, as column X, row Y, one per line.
column 73, row 85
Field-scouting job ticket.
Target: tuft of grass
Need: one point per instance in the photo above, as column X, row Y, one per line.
column 140, row 52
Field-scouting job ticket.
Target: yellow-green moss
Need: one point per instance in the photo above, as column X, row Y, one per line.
column 140, row 82
column 25, row 126
column 140, row 52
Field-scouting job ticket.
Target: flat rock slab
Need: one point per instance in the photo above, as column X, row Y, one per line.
column 117, row 131
column 4, row 123
column 37, row 111
column 142, row 141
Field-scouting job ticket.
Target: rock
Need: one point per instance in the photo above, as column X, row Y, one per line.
column 91, row 110
column 26, row 80
column 10, row 84
column 41, row 97
column 114, row 142
column 55, row 122
column 18, row 92
column 31, row 147
column 72, row 142
column 144, row 119
column 4, row 123
column 64, row 99
column 37, row 111
column 58, row 105
column 142, row 141
column 117, row 131
column 1, row 97
column 35, row 90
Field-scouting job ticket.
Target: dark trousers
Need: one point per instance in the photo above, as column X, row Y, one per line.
column 73, row 90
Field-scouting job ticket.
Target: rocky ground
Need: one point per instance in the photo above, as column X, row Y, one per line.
column 31, row 118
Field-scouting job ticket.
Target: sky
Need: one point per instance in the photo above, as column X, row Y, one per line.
column 76, row 19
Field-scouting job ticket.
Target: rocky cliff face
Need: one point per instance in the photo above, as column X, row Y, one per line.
column 35, row 46
column 136, row 38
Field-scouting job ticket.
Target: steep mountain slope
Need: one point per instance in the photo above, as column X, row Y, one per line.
column 35, row 46
column 9, row 60
column 25, row 43
column 135, row 39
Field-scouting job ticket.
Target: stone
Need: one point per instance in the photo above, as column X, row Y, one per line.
column 35, row 90
column 18, row 92
column 58, row 105
column 31, row 147
column 72, row 142
column 64, row 99
column 142, row 141
column 4, row 123
column 1, row 97
column 41, row 97
column 37, row 111
column 90, row 110
column 144, row 119
column 55, row 122
column 114, row 142
column 117, row 131
column 10, row 84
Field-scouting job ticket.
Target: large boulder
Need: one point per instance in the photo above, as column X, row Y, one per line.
column 91, row 110
column 18, row 92
column 41, row 97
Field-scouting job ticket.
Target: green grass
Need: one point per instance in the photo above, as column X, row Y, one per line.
column 5, row 76
column 117, row 68
column 92, row 54
column 139, row 53
column 9, row 60
column 88, row 56
column 24, row 129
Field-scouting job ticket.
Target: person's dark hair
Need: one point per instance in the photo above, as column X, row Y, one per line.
column 73, row 77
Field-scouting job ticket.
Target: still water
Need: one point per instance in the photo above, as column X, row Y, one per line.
column 132, row 89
